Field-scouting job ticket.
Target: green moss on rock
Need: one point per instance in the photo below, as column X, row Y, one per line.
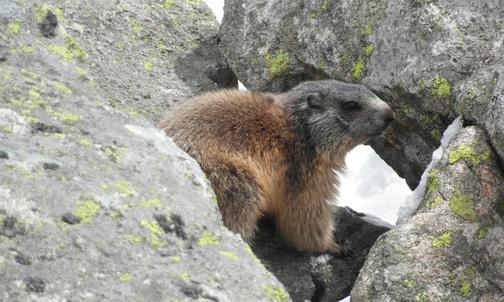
column 358, row 69
column 114, row 152
column 468, row 274
column 134, row 238
column 148, row 65
column 62, row 51
column 443, row 240
column 40, row 12
column 23, row 48
column 434, row 202
column 125, row 277
column 324, row 6
column 184, row 276
column 432, row 181
column 168, row 4
column 124, row 187
column 480, row 233
column 68, row 117
column 440, row 88
column 175, row 258
column 74, row 47
column 134, row 24
column 435, row 134
column 150, row 201
column 229, row 255
column 422, row 297
column 463, row 206
column 152, row 226
column 465, row 289
column 15, row 28
column 275, row 293
column 367, row 29
column 468, row 152
column 277, row 65
column 368, row 50
column 63, row 88
column 87, row 209
column 208, row 238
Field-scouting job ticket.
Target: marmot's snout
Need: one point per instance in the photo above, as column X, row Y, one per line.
column 387, row 117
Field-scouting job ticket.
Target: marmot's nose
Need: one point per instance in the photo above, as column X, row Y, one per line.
column 389, row 115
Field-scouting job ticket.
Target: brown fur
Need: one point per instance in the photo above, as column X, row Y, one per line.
column 251, row 147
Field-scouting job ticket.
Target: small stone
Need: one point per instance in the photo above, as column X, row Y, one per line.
column 4, row 155
column 34, row 284
column 50, row 166
column 70, row 218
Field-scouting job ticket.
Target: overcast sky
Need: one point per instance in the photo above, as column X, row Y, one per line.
column 218, row 8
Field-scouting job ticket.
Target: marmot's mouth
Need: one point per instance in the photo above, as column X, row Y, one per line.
column 379, row 132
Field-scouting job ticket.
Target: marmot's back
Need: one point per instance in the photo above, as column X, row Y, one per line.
column 229, row 121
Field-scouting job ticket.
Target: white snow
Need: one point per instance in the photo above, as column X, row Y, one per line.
column 416, row 197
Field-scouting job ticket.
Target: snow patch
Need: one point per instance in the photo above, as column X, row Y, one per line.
column 417, row 196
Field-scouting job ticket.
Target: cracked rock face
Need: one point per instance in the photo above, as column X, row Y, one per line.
column 96, row 203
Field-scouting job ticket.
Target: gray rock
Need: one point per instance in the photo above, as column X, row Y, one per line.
column 451, row 250
column 129, row 51
column 430, row 60
column 494, row 119
column 210, row 65
column 96, row 203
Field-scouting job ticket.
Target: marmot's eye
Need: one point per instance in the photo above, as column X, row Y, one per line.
column 351, row 106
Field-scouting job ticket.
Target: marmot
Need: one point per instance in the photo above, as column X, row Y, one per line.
column 276, row 154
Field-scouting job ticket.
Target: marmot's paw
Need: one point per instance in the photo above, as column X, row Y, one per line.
column 340, row 252
column 345, row 253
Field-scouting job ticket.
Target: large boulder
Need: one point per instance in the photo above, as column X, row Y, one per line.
column 96, row 204
column 142, row 56
column 451, row 250
column 431, row 60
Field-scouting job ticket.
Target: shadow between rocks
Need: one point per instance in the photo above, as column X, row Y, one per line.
column 323, row 277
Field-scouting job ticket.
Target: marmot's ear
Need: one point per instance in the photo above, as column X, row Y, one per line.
column 314, row 101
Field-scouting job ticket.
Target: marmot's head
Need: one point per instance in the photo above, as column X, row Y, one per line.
column 332, row 114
